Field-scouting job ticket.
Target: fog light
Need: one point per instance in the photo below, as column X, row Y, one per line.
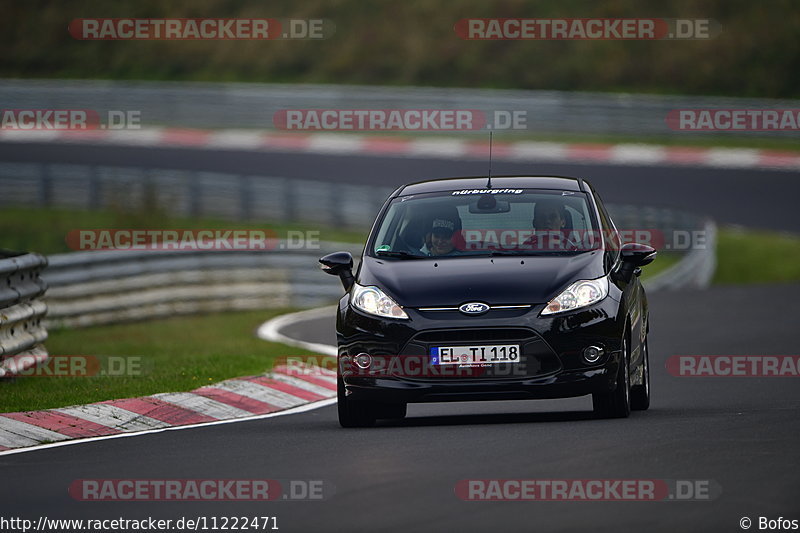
column 591, row 354
column 363, row 360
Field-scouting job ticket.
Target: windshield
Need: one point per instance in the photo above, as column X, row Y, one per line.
column 477, row 222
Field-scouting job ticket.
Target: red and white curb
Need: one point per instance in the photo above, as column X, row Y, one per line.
column 282, row 391
column 447, row 148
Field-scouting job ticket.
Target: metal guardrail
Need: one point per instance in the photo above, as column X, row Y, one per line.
column 695, row 270
column 191, row 193
column 240, row 105
column 21, row 311
column 236, row 197
column 90, row 288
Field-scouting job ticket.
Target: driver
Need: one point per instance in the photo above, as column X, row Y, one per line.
column 439, row 238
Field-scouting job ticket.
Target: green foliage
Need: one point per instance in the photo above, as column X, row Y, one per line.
column 746, row 256
column 413, row 42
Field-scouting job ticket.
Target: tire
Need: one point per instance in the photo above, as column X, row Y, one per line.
column 352, row 414
column 391, row 410
column 640, row 394
column 617, row 403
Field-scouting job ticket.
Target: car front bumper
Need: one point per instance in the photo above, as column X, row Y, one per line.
column 551, row 348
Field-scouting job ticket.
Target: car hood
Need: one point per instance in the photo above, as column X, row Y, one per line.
column 493, row 280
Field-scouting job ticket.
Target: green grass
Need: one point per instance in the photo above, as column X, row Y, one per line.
column 664, row 260
column 177, row 354
column 747, row 256
column 45, row 230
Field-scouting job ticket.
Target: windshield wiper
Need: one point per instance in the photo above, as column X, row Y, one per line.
column 398, row 254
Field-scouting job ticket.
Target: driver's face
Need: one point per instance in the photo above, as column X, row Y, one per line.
column 441, row 243
column 549, row 219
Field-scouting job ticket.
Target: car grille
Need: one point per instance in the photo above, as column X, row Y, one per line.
column 537, row 356
column 475, row 334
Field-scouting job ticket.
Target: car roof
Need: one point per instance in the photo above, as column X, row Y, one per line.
column 498, row 182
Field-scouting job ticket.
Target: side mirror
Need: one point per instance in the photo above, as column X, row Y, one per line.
column 339, row 264
column 638, row 254
column 634, row 255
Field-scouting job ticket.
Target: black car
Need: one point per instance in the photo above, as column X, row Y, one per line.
column 505, row 288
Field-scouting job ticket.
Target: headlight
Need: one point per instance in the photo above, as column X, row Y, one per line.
column 579, row 294
column 372, row 300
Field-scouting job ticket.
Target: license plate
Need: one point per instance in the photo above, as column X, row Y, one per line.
column 465, row 355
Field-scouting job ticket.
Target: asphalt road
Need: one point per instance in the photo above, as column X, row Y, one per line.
column 742, row 433
column 756, row 198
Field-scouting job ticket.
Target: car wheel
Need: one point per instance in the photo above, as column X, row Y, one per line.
column 391, row 410
column 640, row 394
column 617, row 403
column 352, row 414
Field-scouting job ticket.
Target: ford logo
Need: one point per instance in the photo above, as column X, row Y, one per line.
column 474, row 308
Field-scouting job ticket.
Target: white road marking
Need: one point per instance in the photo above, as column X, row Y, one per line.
column 732, row 158
column 335, row 143
column 270, row 330
column 638, row 153
column 534, row 151
column 236, row 139
column 437, row 148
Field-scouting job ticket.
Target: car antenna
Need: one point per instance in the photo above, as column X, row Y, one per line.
column 489, row 180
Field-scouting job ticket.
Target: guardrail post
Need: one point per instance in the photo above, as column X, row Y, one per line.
column 21, row 310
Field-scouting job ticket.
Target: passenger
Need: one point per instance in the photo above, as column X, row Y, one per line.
column 549, row 215
column 549, row 226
